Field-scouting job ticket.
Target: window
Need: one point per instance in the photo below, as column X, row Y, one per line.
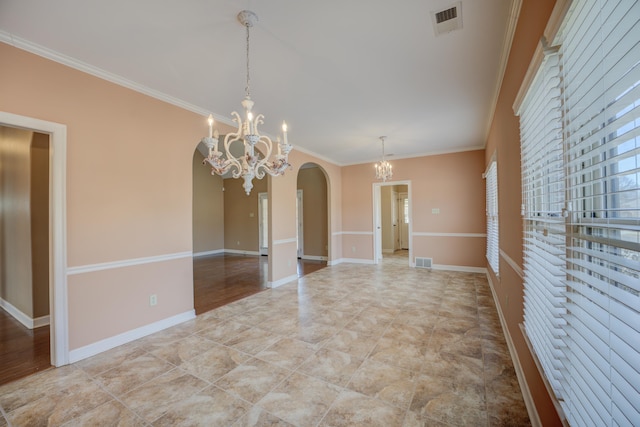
column 581, row 193
column 493, row 254
column 543, row 196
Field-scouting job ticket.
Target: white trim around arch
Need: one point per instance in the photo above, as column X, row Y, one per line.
column 58, row 309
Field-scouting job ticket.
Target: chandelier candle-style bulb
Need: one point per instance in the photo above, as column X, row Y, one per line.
column 255, row 163
column 284, row 131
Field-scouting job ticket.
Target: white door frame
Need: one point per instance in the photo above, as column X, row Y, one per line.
column 58, row 302
column 377, row 215
column 300, row 229
column 262, row 224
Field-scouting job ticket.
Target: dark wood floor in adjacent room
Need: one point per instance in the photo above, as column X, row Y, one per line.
column 23, row 351
column 223, row 278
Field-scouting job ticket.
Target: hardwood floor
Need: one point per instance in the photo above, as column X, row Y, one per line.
column 218, row 280
column 221, row 279
column 23, row 351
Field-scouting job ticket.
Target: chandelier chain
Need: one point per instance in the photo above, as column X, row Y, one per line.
column 247, row 89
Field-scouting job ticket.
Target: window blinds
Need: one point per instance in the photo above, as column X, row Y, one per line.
column 492, row 217
column 601, row 70
column 543, row 195
column 580, row 132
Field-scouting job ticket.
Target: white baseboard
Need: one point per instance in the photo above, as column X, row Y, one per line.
column 283, row 281
column 239, row 252
column 126, row 337
column 522, row 379
column 352, row 261
column 26, row 320
column 41, row 321
column 205, row 253
column 314, row 257
column 461, row 268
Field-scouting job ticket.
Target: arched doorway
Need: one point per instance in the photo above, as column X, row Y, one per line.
column 227, row 265
column 312, row 218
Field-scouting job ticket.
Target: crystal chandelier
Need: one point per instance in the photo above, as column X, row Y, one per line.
column 383, row 168
column 256, row 161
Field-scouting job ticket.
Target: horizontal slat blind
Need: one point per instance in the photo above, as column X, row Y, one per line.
column 492, row 218
column 601, row 76
column 544, row 225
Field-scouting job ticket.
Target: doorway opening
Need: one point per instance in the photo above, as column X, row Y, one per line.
column 300, row 224
column 392, row 217
column 263, row 223
column 312, row 215
column 44, row 144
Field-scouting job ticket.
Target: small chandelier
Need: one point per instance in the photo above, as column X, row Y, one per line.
column 255, row 162
column 383, row 168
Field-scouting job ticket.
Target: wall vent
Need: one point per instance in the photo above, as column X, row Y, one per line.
column 447, row 20
column 424, row 262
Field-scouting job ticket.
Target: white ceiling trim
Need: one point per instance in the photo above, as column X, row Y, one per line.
column 318, row 156
column 514, row 14
column 425, row 154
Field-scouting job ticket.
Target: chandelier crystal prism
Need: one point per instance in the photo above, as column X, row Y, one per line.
column 384, row 170
column 258, row 157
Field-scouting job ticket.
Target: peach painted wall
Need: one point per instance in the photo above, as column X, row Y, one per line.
column 451, row 183
column 504, row 143
column 112, row 301
column 282, row 210
column 129, row 191
column 208, row 208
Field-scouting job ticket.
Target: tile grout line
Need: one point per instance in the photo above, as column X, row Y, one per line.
column 95, row 381
column 6, row 416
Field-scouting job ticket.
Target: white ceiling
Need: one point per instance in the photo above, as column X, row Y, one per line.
column 341, row 72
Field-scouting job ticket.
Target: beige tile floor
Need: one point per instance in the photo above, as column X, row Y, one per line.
column 349, row 345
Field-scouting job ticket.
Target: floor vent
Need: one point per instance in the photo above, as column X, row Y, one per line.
column 447, row 20
column 424, row 262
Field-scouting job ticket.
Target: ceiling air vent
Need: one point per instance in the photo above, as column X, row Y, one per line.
column 445, row 15
column 447, row 20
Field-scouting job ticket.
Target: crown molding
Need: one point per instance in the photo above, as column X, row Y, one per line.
column 424, row 154
column 316, row 155
column 514, row 14
column 68, row 61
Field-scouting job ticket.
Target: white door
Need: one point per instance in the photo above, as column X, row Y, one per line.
column 377, row 223
column 403, row 220
column 263, row 223
column 394, row 220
